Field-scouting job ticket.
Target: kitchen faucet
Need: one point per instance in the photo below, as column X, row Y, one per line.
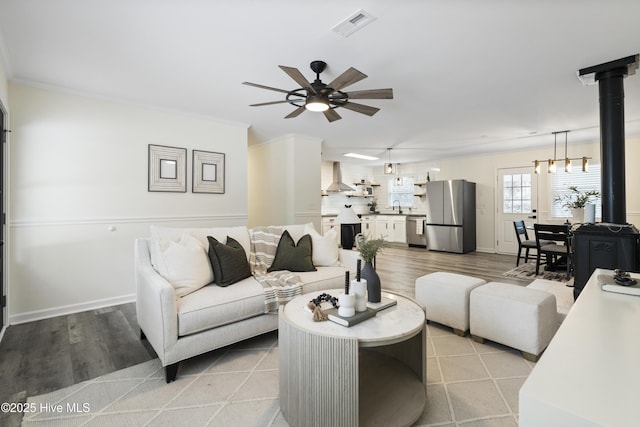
column 393, row 207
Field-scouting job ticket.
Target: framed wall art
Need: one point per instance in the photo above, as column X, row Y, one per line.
column 208, row 172
column 167, row 169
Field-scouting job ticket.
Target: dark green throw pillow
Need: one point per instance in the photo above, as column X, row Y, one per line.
column 229, row 262
column 291, row 256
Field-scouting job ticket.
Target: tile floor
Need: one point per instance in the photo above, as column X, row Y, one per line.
column 468, row 384
column 471, row 384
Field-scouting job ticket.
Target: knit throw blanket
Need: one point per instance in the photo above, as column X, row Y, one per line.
column 279, row 286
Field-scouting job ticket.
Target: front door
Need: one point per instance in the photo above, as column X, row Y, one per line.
column 516, row 199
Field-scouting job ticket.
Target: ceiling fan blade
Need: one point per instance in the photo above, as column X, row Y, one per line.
column 331, row 115
column 371, row 94
column 269, row 103
column 296, row 75
column 347, row 78
column 364, row 109
column 295, row 113
column 265, row 87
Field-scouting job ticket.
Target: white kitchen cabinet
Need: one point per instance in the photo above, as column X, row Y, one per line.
column 392, row 227
column 329, row 222
column 399, row 229
column 382, row 227
column 369, row 226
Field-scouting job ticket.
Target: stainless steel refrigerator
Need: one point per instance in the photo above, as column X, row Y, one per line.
column 451, row 216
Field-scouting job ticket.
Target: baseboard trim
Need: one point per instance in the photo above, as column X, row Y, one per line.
column 31, row 316
column 486, row 250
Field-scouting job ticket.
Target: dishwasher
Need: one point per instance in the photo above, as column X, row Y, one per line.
column 416, row 231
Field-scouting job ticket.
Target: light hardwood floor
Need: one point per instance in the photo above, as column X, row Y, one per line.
column 47, row 355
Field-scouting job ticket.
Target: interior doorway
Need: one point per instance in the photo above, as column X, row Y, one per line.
column 516, row 199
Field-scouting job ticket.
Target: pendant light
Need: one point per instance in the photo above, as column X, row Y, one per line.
column 567, row 160
column 389, row 168
column 552, row 163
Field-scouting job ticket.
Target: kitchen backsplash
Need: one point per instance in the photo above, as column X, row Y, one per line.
column 351, row 174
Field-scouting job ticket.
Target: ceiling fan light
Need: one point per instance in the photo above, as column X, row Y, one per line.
column 316, row 103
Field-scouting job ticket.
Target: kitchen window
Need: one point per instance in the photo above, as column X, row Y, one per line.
column 400, row 190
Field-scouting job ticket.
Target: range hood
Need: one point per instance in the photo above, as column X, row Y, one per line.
column 337, row 185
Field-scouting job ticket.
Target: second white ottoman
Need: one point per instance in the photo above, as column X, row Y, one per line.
column 516, row 316
column 445, row 296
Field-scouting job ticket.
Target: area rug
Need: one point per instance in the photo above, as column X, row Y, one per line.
column 528, row 271
column 564, row 294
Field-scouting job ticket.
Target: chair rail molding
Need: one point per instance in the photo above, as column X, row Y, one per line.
column 125, row 220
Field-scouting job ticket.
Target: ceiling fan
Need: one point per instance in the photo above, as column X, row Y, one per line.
column 325, row 98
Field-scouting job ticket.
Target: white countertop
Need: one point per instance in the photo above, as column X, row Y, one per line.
column 590, row 373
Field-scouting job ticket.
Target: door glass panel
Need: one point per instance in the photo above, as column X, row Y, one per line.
column 517, row 193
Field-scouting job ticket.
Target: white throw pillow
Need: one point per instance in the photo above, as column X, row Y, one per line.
column 184, row 264
column 326, row 251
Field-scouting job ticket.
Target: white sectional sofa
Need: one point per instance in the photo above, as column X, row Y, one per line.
column 181, row 318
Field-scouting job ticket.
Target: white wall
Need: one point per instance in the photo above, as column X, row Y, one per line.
column 4, row 85
column 79, row 166
column 284, row 181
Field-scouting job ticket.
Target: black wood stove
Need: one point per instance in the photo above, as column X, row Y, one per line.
column 612, row 243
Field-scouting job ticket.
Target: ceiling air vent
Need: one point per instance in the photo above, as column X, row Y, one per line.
column 354, row 23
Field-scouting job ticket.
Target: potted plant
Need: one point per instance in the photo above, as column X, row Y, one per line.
column 373, row 204
column 368, row 249
column 576, row 200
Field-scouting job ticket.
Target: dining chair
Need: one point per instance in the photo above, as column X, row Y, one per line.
column 523, row 241
column 554, row 253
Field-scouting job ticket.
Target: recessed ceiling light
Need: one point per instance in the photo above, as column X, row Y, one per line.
column 360, row 156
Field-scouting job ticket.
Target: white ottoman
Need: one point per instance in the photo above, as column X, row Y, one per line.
column 516, row 316
column 445, row 296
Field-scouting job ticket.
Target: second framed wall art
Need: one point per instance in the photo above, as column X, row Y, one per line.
column 208, row 172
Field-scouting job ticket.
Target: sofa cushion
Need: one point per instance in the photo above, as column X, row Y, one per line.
column 214, row 306
column 184, row 264
column 241, row 234
column 325, row 249
column 229, row 261
column 291, row 256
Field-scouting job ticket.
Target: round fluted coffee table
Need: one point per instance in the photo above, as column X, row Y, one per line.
column 372, row 373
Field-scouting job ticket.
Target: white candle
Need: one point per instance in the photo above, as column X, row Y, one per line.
column 360, row 289
column 347, row 304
